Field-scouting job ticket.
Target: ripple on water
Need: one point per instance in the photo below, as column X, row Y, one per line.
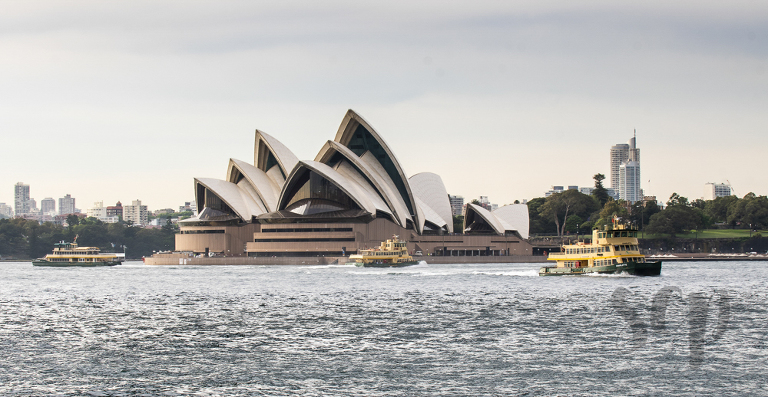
column 335, row 330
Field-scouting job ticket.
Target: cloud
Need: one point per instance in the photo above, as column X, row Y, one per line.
column 180, row 86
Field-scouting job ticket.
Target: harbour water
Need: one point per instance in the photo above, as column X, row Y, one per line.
column 434, row 330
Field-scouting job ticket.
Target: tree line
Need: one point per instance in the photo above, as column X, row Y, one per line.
column 24, row 238
column 572, row 211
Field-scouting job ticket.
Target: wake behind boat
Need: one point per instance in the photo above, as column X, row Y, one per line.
column 391, row 253
column 71, row 255
column 613, row 250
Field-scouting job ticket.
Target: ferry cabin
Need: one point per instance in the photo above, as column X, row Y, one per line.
column 609, row 247
column 390, row 251
column 71, row 252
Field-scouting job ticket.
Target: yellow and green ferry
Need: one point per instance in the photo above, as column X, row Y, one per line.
column 612, row 250
column 391, row 253
column 71, row 255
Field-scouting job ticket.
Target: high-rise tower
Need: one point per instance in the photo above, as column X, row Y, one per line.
column 66, row 205
column 625, row 170
column 21, row 199
column 48, row 205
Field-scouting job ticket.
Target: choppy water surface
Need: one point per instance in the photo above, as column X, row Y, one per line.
column 424, row 330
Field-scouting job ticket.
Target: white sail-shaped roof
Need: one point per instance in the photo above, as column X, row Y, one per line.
column 366, row 179
column 233, row 196
column 429, row 215
column 383, row 185
column 429, row 188
column 267, row 150
column 266, row 190
column 350, row 188
column 476, row 210
column 349, row 135
column 514, row 217
column 348, row 171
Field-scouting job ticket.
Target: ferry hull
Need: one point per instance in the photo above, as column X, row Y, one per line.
column 633, row 268
column 73, row 264
column 401, row 264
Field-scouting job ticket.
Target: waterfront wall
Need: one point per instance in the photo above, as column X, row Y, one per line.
column 180, row 259
column 704, row 245
column 669, row 245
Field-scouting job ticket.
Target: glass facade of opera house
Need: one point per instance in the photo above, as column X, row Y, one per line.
column 352, row 196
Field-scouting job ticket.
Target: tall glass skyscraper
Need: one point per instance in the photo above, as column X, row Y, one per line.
column 625, row 170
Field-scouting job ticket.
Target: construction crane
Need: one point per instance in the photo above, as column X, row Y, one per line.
column 733, row 191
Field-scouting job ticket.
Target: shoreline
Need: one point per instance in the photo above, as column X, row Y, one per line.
column 177, row 260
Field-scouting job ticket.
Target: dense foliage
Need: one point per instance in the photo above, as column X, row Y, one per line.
column 27, row 238
column 564, row 212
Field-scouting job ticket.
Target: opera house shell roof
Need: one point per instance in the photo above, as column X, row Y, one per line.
column 356, row 177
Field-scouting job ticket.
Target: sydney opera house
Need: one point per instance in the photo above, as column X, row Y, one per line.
column 352, row 196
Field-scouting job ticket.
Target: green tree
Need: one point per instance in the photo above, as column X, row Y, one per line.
column 676, row 199
column 617, row 208
column 699, row 203
column 673, row 220
column 717, row 209
column 574, row 224
column 560, row 206
column 640, row 213
column 751, row 211
column 73, row 220
column 679, row 217
column 30, row 232
column 458, row 223
column 600, row 193
column 12, row 240
column 537, row 224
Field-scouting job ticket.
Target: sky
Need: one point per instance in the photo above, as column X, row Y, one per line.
column 111, row 101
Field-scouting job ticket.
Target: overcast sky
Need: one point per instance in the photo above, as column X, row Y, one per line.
column 111, row 101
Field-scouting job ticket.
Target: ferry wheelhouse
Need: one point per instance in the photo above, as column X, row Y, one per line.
column 613, row 250
column 70, row 254
column 391, row 253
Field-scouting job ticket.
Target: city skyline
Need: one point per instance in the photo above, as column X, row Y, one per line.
column 108, row 104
